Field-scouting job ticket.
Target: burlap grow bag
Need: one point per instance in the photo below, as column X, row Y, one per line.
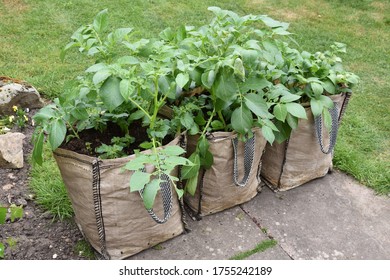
column 307, row 154
column 234, row 176
column 113, row 219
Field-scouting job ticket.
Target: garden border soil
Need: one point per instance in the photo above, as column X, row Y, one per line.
column 37, row 235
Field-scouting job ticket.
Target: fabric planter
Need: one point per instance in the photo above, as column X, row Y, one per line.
column 234, row 176
column 113, row 219
column 307, row 154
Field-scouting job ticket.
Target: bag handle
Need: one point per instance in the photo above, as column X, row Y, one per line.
column 249, row 154
column 333, row 131
column 166, row 193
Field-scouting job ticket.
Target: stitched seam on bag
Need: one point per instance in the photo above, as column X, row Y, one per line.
column 98, row 207
column 72, row 157
column 75, row 165
column 283, row 162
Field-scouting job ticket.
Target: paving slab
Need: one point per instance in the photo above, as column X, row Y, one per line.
column 329, row 218
column 216, row 237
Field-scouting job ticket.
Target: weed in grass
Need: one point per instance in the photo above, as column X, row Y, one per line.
column 82, row 248
column 261, row 247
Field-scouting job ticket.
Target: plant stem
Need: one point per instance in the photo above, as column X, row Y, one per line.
column 208, row 123
column 140, row 107
column 222, row 119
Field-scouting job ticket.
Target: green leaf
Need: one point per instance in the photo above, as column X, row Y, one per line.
column 3, row 214
column 194, row 130
column 100, row 21
column 126, row 88
column 2, row 250
column 326, row 101
column 273, row 23
column 121, row 33
column 317, row 88
column 280, row 111
column 174, row 150
column 292, row 121
column 136, row 115
column 239, row 69
column 192, row 184
column 44, row 114
column 268, row 134
column 170, row 162
column 16, row 212
column 110, row 93
column 80, row 113
column 96, row 68
column 167, row 34
column 208, row 79
column 101, row 76
column 225, row 86
column 182, row 79
column 296, row 110
column 316, row 107
column 138, row 180
column 203, row 145
column 164, row 85
column 207, row 160
column 284, row 131
column 137, row 163
column 188, row 172
column 254, row 83
column 150, row 192
column 187, row 120
column 57, row 133
column 289, row 98
column 179, row 192
column 242, row 119
column 256, row 104
column 38, row 149
column 217, row 125
column 146, row 145
column 329, row 87
column 131, row 60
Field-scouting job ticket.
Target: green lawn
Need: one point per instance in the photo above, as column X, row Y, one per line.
column 33, row 31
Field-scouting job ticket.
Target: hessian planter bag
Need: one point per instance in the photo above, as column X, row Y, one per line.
column 113, row 219
column 307, row 154
column 234, row 176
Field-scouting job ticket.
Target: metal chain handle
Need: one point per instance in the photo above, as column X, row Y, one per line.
column 166, row 193
column 249, row 154
column 333, row 131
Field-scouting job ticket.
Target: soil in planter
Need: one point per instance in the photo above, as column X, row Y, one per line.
column 91, row 139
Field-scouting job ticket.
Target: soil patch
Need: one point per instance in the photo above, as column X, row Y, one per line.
column 91, row 139
column 36, row 236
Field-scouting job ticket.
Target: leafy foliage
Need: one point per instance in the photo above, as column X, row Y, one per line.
column 16, row 212
column 233, row 74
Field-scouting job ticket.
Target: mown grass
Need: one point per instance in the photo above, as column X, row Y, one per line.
column 33, row 32
column 49, row 188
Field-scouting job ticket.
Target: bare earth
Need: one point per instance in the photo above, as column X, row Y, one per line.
column 37, row 235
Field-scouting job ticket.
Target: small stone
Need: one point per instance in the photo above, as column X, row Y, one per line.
column 21, row 201
column 17, row 93
column 11, row 150
column 12, row 176
column 46, row 215
column 50, row 246
column 29, row 196
column 55, row 256
column 7, row 187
